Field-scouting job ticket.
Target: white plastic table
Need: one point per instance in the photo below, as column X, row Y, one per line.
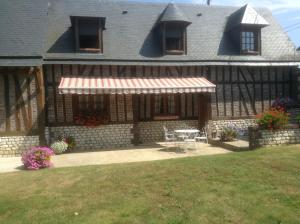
column 190, row 133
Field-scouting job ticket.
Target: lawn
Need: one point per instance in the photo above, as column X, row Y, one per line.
column 260, row 186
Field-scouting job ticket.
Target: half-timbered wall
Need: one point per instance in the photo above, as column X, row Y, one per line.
column 241, row 91
column 18, row 111
column 18, row 102
column 245, row 91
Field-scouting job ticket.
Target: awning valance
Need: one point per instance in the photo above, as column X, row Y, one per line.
column 134, row 85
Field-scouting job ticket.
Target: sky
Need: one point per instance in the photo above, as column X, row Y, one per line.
column 287, row 12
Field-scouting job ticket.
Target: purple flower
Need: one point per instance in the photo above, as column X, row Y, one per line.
column 37, row 158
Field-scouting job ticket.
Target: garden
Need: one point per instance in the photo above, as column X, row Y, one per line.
column 260, row 186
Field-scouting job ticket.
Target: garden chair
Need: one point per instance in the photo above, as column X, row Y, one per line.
column 202, row 136
column 169, row 136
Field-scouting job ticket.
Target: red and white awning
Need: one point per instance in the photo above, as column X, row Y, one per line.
column 136, row 85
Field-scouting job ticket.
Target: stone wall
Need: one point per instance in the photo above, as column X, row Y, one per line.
column 152, row 131
column 263, row 138
column 94, row 138
column 15, row 145
column 216, row 126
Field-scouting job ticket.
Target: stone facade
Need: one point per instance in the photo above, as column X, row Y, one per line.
column 263, row 138
column 216, row 126
column 15, row 145
column 94, row 138
column 152, row 131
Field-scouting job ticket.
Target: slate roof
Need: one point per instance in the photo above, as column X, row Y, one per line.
column 173, row 14
column 246, row 16
column 22, row 31
column 32, row 29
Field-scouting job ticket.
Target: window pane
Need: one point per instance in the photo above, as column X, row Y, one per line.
column 174, row 44
column 88, row 41
column 88, row 31
column 157, row 100
column 248, row 41
column 171, row 104
column 174, row 37
column 164, row 104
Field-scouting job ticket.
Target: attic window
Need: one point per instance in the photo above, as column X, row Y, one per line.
column 174, row 38
column 250, row 42
column 88, row 34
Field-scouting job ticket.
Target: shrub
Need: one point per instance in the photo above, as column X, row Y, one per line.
column 273, row 119
column 298, row 119
column 228, row 135
column 37, row 158
column 59, row 147
column 284, row 103
column 71, row 142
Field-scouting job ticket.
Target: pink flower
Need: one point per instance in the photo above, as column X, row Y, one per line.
column 37, row 158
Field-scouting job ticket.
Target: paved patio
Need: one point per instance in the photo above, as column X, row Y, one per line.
column 133, row 154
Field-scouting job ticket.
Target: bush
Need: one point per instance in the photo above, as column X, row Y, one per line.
column 298, row 119
column 228, row 135
column 71, row 142
column 273, row 119
column 284, row 103
column 37, row 158
column 59, row 147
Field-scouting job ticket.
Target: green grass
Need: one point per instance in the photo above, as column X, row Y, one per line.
column 261, row 186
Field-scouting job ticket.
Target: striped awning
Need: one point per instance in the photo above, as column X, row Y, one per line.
column 136, row 85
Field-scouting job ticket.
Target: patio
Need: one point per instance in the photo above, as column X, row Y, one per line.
column 151, row 152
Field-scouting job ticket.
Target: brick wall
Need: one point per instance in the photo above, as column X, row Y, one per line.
column 15, row 145
column 153, row 131
column 264, row 138
column 87, row 138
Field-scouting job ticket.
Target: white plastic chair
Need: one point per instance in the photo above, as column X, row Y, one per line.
column 202, row 136
column 169, row 136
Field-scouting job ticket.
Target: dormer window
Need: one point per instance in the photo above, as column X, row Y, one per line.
column 250, row 42
column 173, row 25
column 174, row 38
column 88, row 34
column 244, row 26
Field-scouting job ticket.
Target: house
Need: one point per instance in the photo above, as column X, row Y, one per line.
column 113, row 73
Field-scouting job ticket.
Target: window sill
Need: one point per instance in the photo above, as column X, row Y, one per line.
column 165, row 117
column 90, row 50
column 250, row 53
column 174, row 52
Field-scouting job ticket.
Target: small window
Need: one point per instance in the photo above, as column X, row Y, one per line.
column 88, row 33
column 249, row 42
column 165, row 105
column 90, row 109
column 174, row 38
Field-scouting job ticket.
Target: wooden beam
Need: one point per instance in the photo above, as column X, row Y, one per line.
column 28, row 81
column 249, row 93
column 20, row 104
column 217, row 96
column 231, row 91
column 203, row 110
column 39, row 75
column 224, row 91
column 135, row 110
column 7, row 102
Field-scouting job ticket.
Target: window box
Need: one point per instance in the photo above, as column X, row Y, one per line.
column 165, row 117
